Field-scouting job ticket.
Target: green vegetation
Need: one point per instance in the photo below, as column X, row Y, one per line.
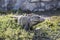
column 49, row 28
column 10, row 30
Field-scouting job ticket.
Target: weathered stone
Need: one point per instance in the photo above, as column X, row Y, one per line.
column 32, row 5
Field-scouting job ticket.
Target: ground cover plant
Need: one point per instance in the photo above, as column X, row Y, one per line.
column 47, row 30
column 10, row 30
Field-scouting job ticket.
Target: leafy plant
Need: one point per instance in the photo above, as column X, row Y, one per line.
column 10, row 30
column 50, row 29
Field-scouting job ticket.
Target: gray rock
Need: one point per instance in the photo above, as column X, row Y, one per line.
column 32, row 5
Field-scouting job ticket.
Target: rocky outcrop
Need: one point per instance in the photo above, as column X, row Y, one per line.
column 32, row 5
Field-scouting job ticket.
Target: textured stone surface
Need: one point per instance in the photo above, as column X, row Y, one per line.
column 32, row 5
